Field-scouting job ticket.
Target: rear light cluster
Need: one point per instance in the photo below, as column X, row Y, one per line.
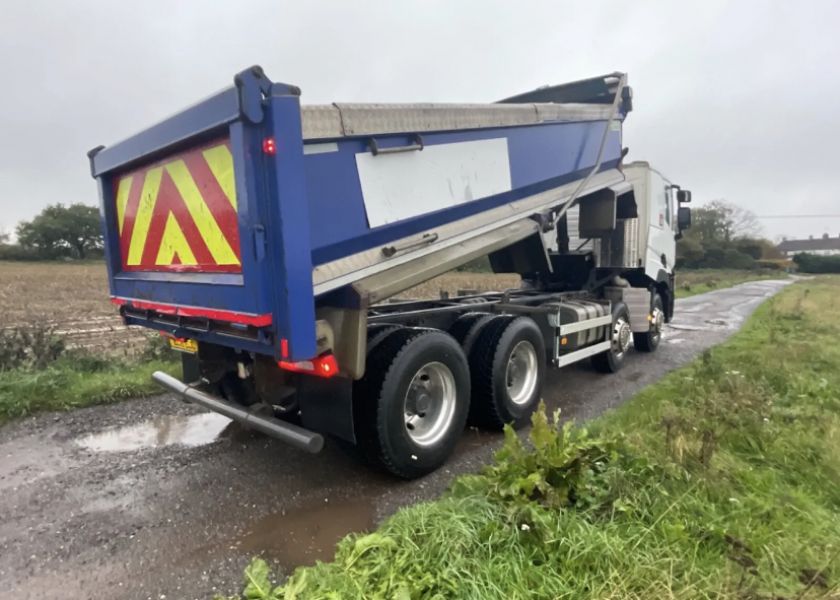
column 269, row 146
column 320, row 366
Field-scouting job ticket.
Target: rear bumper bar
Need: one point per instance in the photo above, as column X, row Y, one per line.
column 287, row 432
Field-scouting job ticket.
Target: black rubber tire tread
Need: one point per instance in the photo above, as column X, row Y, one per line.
column 488, row 406
column 465, row 329
column 607, row 362
column 377, row 332
column 370, row 404
column 647, row 342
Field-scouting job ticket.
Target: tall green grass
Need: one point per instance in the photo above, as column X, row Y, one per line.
column 79, row 379
column 721, row 481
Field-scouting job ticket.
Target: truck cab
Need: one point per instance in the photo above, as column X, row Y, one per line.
column 661, row 219
column 659, row 216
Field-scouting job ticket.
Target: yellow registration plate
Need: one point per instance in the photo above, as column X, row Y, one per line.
column 183, row 345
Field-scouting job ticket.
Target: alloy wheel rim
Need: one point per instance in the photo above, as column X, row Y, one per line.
column 657, row 323
column 621, row 337
column 521, row 372
column 429, row 405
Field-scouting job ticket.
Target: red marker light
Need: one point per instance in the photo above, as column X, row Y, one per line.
column 270, row 146
column 328, row 365
column 321, row 366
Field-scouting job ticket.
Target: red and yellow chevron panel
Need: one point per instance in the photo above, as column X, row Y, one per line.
column 179, row 214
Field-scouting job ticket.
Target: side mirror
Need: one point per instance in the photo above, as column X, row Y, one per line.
column 683, row 217
column 683, row 196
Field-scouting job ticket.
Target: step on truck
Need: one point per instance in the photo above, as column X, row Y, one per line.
column 268, row 239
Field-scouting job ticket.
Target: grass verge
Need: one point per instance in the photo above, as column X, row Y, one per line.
column 722, row 480
column 699, row 281
column 76, row 381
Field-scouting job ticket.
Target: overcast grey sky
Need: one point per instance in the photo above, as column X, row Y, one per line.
column 734, row 100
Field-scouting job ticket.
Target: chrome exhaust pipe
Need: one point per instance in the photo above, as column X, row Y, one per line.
column 287, row 432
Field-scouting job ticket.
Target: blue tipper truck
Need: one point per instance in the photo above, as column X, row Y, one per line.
column 265, row 238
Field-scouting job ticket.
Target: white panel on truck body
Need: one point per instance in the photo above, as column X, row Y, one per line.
column 409, row 184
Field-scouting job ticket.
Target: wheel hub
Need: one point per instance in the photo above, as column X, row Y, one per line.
column 522, row 372
column 621, row 336
column 422, row 404
column 657, row 321
column 429, row 405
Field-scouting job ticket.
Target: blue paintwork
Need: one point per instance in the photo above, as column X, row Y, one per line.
column 260, row 288
column 245, row 345
column 296, row 210
column 242, row 101
column 289, row 247
column 541, row 157
column 216, row 112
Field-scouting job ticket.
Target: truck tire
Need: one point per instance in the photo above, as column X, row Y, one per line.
column 507, row 366
column 649, row 340
column 411, row 406
column 619, row 336
column 466, row 328
column 377, row 332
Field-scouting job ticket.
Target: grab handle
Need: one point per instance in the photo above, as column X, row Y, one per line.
column 376, row 150
column 428, row 238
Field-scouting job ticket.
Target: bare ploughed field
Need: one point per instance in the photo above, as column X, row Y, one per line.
column 69, row 298
column 72, row 299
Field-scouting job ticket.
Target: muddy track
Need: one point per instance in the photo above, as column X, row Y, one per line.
column 155, row 499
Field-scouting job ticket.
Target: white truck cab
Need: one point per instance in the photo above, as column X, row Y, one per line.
column 658, row 217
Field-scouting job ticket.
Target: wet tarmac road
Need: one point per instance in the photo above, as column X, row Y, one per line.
column 156, row 499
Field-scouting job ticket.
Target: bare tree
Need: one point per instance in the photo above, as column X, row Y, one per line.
column 736, row 221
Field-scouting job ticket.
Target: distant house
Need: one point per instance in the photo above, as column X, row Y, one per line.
column 824, row 246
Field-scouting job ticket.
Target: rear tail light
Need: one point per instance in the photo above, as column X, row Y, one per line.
column 269, row 146
column 321, row 366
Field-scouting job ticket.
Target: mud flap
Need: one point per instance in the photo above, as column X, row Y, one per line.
column 190, row 368
column 326, row 405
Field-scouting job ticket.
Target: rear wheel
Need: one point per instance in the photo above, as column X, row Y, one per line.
column 507, row 365
column 619, row 337
column 413, row 401
column 466, row 328
column 648, row 341
column 377, row 333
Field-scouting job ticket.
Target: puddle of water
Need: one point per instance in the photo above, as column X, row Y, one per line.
column 303, row 535
column 680, row 327
column 675, row 340
column 167, row 430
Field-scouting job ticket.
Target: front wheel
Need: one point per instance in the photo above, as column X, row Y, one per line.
column 648, row 341
column 413, row 401
column 619, row 337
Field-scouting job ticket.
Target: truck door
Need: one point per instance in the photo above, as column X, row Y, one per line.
column 661, row 251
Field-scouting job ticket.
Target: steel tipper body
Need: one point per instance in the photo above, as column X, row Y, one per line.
column 260, row 235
